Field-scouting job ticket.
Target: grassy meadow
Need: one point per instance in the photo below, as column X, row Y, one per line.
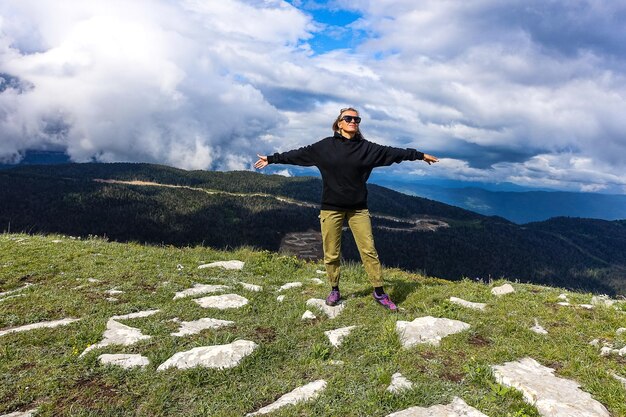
column 42, row 369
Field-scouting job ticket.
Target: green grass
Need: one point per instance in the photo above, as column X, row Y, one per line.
column 42, row 368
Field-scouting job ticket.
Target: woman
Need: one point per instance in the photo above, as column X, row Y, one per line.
column 345, row 161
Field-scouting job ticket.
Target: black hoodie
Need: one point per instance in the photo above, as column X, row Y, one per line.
column 345, row 165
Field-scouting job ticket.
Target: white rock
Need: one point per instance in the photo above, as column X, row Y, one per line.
column 29, row 413
column 457, row 408
column 220, row 356
column 126, row 361
column 427, row 330
column 551, row 395
column 319, row 271
column 620, row 331
column 336, row 362
column 317, row 281
column 330, row 311
column 602, row 300
column 336, row 336
column 606, row 351
column 114, row 291
column 503, row 289
column 308, row 315
column 11, row 296
column 537, row 328
column 237, row 265
column 93, row 280
column 45, row 324
column 118, row 334
column 304, row 393
column 399, row 384
column 468, row 304
column 222, row 301
column 112, row 299
column 622, row 351
column 196, row 326
column 586, row 306
column 251, row 287
column 564, row 303
column 2, row 294
column 595, row 342
column 563, row 297
column 137, row 315
column 620, row 379
column 199, row 289
column 290, row 285
column 280, row 298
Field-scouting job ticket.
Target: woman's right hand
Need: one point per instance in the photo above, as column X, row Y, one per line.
column 262, row 162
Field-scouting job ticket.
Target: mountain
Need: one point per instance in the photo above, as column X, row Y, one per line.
column 519, row 206
column 158, row 204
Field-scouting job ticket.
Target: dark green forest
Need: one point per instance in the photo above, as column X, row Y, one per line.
column 573, row 253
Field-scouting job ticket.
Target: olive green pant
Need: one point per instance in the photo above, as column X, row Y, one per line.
column 361, row 226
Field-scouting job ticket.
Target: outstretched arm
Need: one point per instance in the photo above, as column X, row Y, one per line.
column 262, row 162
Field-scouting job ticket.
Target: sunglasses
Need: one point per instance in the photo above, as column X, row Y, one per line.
column 349, row 119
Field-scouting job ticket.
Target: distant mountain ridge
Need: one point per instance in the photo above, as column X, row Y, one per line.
column 241, row 210
column 520, row 206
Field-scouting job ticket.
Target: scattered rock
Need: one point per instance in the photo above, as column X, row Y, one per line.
column 290, row 285
column 304, row 393
column 308, row 315
column 251, row 287
column 199, row 289
column 220, row 356
column 602, row 300
column 457, row 408
column 45, row 324
column 126, row 361
column 620, row 379
column 317, row 281
column 586, row 306
column 336, row 336
column 399, row 384
column 563, row 297
column 319, row 271
column 2, row 294
column 222, row 301
column 427, row 330
column 11, row 296
column 551, row 395
column 620, row 331
column 112, row 299
column 118, row 334
column 137, row 315
column 564, row 303
column 114, row 291
column 236, row 265
column 330, row 311
column 503, row 289
column 280, row 298
column 595, row 342
column 196, row 326
column 468, row 304
column 538, row 329
column 606, row 351
column 93, row 280
column 336, row 362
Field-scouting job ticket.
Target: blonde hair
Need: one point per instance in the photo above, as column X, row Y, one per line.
column 338, row 119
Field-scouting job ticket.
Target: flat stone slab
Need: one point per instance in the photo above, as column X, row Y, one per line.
column 44, row 324
column 468, row 304
column 196, row 326
column 308, row 315
column 457, row 408
column 2, row 294
column 503, row 290
column 330, row 311
column 137, row 315
column 118, row 334
column 551, row 395
column 29, row 413
column 234, row 265
column 251, row 287
column 304, row 393
column 427, row 330
column 126, row 361
column 290, row 285
column 222, row 302
column 220, row 356
column 399, row 384
column 336, row 336
column 200, row 289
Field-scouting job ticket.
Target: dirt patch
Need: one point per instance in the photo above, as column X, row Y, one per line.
column 265, row 334
column 86, row 393
column 450, row 375
column 554, row 365
column 478, row 340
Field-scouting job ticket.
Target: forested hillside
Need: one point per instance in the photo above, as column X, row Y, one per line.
column 575, row 253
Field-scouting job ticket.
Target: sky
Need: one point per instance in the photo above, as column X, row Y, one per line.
column 528, row 92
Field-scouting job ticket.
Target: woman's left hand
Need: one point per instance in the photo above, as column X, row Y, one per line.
column 429, row 159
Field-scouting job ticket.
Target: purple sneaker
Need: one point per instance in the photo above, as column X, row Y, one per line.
column 385, row 301
column 333, row 298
